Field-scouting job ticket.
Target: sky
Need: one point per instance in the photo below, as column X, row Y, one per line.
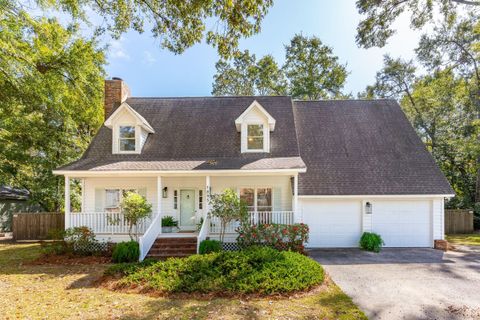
column 152, row 71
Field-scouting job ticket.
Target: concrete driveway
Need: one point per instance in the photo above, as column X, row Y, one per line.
column 408, row 283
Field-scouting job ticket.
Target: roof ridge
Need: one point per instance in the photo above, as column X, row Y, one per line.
column 209, row 97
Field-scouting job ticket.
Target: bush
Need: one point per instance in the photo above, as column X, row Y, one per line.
column 371, row 242
column 278, row 236
column 126, row 252
column 209, row 246
column 261, row 270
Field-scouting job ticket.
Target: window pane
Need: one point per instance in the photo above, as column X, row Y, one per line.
column 112, row 198
column 247, row 195
column 264, row 199
column 127, row 132
column 255, row 136
column 127, row 144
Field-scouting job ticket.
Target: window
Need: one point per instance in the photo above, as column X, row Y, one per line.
column 248, row 195
column 255, row 137
column 259, row 199
column 126, row 138
column 200, row 199
column 175, row 199
column 113, row 197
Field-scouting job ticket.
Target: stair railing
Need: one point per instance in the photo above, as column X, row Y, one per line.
column 204, row 231
column 148, row 238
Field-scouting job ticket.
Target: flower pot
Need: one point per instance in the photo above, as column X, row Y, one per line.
column 169, row 229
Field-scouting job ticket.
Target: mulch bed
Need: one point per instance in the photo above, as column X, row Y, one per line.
column 70, row 260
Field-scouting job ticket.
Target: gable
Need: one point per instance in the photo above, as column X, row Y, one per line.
column 255, row 113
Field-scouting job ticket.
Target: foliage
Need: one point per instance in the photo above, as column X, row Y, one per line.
column 135, row 208
column 256, row 270
column 375, row 28
column 209, row 246
column 128, row 251
column 169, row 221
column 278, row 236
column 51, row 83
column 371, row 242
column 81, row 240
column 311, row 71
column 177, row 24
column 228, row 207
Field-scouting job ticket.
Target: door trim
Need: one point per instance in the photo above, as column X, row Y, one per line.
column 183, row 227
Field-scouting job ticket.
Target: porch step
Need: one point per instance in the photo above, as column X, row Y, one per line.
column 164, row 248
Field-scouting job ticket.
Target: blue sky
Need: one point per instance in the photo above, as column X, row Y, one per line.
column 152, row 71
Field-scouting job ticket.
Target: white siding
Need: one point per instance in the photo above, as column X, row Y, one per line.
column 438, row 219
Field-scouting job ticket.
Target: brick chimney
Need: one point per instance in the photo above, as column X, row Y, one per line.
column 116, row 92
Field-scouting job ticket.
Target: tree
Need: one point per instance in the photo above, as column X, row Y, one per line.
column 311, row 71
column 135, row 208
column 228, row 207
column 376, row 27
column 177, row 24
column 51, row 82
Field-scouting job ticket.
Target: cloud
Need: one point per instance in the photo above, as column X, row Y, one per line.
column 148, row 57
column 117, row 50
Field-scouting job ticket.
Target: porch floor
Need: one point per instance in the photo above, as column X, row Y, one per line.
column 178, row 235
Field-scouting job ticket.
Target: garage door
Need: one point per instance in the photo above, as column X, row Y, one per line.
column 402, row 223
column 333, row 223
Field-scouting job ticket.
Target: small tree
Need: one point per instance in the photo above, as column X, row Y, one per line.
column 135, row 207
column 228, row 207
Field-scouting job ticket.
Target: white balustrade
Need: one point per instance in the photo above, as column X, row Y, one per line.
column 204, row 231
column 254, row 217
column 107, row 222
column 148, row 238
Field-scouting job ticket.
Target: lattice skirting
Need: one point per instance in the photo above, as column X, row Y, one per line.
column 230, row 246
column 93, row 247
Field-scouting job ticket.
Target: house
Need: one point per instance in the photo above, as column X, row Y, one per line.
column 341, row 166
column 13, row 200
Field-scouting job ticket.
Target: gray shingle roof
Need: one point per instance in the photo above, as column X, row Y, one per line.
column 350, row 147
column 359, row 147
column 9, row 193
column 197, row 134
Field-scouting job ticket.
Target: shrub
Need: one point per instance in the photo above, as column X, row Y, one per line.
column 169, row 221
column 128, row 251
column 209, row 246
column 371, row 242
column 81, row 240
column 135, row 208
column 261, row 270
column 278, row 236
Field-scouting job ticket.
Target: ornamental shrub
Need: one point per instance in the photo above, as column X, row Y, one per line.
column 209, row 246
column 278, row 236
column 371, row 242
column 135, row 208
column 128, row 251
column 169, row 221
column 260, row 270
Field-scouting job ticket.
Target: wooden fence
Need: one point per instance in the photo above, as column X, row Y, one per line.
column 35, row 226
column 458, row 221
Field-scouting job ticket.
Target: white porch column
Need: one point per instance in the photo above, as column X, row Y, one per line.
column 159, row 199
column 67, row 202
column 296, row 213
column 208, row 190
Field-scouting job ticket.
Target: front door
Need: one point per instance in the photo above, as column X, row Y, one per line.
column 187, row 208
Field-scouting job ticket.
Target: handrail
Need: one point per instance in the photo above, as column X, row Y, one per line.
column 146, row 241
column 106, row 222
column 203, row 233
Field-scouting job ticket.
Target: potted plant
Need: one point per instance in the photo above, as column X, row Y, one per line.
column 169, row 224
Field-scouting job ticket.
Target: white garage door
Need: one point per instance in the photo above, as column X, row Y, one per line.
column 333, row 223
column 402, row 223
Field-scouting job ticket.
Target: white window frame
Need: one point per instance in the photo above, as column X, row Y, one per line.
column 116, row 141
column 266, row 137
column 255, row 195
column 120, row 196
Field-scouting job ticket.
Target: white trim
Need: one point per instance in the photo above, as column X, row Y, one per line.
column 116, row 137
column 138, row 173
column 141, row 120
column 270, row 120
column 376, row 196
column 296, row 216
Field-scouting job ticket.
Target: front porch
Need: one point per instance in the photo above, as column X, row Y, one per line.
column 270, row 198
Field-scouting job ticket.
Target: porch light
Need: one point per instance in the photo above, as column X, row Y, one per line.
column 164, row 192
column 368, row 208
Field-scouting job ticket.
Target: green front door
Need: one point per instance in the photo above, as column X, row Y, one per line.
column 187, row 208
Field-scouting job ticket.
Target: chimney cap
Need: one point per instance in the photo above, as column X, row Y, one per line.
column 117, row 78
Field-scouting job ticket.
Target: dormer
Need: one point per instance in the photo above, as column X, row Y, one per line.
column 255, row 125
column 129, row 130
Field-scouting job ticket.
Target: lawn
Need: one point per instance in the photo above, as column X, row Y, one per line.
column 72, row 292
column 465, row 239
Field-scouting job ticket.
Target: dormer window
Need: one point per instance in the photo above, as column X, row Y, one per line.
column 255, row 125
column 127, row 139
column 255, row 137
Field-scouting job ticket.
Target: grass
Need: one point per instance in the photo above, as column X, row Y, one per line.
column 71, row 292
column 465, row 239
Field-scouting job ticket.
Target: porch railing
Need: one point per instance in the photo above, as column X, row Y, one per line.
column 107, row 222
column 254, row 217
column 146, row 241
column 203, row 233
